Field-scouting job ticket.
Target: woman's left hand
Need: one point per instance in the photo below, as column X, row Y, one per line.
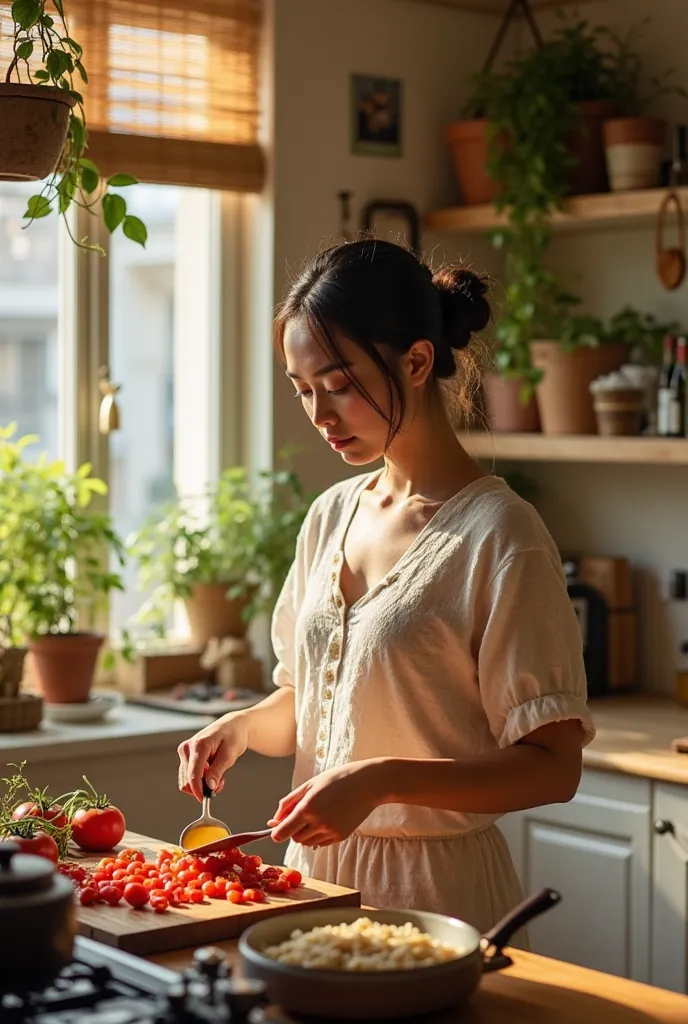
column 328, row 807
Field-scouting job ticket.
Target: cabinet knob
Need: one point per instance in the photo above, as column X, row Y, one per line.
column 662, row 827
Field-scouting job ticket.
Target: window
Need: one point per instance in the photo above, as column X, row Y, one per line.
column 29, row 314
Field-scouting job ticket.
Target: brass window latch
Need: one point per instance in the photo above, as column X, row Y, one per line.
column 108, row 419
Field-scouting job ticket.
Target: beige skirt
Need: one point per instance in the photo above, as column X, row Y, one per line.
column 470, row 875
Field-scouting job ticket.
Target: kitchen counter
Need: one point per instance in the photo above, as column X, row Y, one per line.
column 127, row 728
column 634, row 735
column 538, row 990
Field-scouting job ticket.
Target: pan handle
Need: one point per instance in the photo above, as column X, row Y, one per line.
column 498, row 936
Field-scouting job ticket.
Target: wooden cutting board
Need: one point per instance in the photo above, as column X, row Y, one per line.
column 144, row 932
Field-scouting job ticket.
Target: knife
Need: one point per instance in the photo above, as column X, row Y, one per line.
column 238, row 839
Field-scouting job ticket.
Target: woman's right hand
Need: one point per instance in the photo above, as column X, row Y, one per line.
column 211, row 752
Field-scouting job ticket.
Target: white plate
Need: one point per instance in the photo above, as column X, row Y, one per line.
column 93, row 710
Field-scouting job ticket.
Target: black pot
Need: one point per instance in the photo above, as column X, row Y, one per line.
column 36, row 918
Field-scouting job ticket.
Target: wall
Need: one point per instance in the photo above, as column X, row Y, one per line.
column 316, row 45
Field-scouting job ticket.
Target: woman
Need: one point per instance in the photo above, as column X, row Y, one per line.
column 430, row 674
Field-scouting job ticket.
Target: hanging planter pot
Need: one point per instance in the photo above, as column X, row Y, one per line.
column 468, row 141
column 634, row 148
column 33, row 129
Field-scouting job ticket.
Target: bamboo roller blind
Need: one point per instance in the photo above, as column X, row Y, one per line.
column 172, row 94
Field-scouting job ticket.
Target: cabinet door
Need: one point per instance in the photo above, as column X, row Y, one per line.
column 595, row 851
column 670, row 893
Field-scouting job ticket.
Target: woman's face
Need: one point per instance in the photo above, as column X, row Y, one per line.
column 335, row 407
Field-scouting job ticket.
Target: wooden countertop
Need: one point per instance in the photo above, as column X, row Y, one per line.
column 634, row 736
column 538, row 990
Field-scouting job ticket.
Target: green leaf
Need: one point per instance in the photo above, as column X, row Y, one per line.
column 25, row 49
column 47, row 21
column 27, row 13
column 59, row 8
column 114, row 211
column 85, row 162
column 58, row 63
column 41, row 75
column 82, row 70
column 73, row 45
column 120, row 180
column 89, row 180
column 77, row 95
column 135, row 230
column 37, row 207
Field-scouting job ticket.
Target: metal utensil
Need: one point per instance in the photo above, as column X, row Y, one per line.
column 237, row 840
column 206, row 819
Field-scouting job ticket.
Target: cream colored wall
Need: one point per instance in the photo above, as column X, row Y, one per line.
column 317, row 45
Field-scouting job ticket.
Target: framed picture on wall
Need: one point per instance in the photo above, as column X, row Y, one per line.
column 376, row 115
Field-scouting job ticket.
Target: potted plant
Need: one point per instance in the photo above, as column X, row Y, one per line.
column 225, row 553
column 634, row 142
column 43, row 130
column 53, row 566
column 539, row 120
column 579, row 351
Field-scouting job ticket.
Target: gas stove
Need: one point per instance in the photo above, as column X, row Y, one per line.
column 106, row 986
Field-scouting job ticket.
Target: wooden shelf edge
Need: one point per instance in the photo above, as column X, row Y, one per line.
column 607, row 208
column 551, row 448
column 497, row 8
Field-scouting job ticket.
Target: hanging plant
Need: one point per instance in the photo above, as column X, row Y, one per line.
column 43, row 131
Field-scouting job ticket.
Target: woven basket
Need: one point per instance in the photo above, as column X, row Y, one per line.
column 20, row 714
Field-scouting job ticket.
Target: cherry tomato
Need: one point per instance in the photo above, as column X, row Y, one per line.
column 292, row 876
column 210, row 890
column 220, row 886
column 111, row 894
column 234, row 887
column 95, row 829
column 276, row 885
column 40, row 844
column 235, row 897
column 195, row 895
column 254, row 895
column 160, row 904
column 131, row 854
column 88, row 896
column 135, row 894
column 29, row 809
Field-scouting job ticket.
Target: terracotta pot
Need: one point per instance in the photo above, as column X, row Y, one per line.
column 563, row 394
column 586, row 143
column 619, row 412
column 63, row 665
column 469, row 145
column 33, row 130
column 212, row 614
column 11, row 670
column 634, row 148
column 506, row 412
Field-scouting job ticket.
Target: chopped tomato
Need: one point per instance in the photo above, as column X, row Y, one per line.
column 135, row 894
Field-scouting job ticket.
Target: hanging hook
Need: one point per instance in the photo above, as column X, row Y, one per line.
column 108, row 420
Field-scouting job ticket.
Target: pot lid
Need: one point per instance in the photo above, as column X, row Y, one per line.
column 23, row 873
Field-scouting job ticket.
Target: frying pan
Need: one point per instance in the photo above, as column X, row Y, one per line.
column 381, row 995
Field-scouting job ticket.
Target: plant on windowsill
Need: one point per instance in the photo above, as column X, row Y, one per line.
column 634, row 142
column 54, row 576
column 44, row 135
column 225, row 553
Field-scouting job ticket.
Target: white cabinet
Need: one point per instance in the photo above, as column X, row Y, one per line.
column 670, row 891
column 596, row 851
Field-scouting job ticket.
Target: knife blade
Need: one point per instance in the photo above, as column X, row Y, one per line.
column 238, row 839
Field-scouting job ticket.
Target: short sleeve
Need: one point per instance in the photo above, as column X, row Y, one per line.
column 282, row 631
column 530, row 657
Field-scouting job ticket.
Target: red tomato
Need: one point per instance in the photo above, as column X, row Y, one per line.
column 88, row 895
column 195, row 895
column 29, row 809
column 97, row 829
column 160, row 904
column 111, row 894
column 234, row 887
column 254, row 895
column 209, row 889
column 235, row 897
column 41, row 845
column 292, row 876
column 136, row 894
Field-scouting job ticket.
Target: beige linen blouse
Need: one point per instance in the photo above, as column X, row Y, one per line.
column 469, row 643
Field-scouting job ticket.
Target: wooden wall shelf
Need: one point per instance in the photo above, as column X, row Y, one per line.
column 497, row 8
column 609, row 209
column 550, row 448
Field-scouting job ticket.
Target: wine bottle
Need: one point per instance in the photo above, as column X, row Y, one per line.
column 677, row 392
column 664, row 390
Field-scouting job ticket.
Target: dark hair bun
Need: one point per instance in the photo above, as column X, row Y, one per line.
column 465, row 310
